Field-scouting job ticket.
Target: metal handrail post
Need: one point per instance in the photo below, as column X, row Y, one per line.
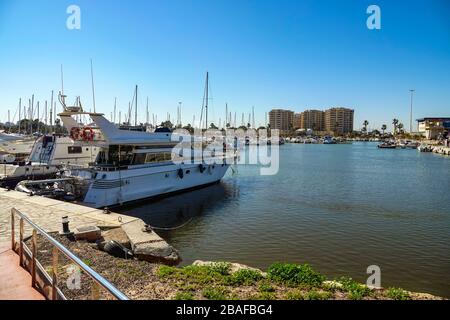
column 33, row 258
column 12, row 232
column 55, row 273
column 21, row 242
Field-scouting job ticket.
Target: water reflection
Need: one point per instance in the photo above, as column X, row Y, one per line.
column 183, row 209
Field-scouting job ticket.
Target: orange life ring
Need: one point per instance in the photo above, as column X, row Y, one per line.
column 88, row 134
column 75, row 133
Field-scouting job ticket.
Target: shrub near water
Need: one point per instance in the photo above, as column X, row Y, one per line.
column 355, row 290
column 295, row 274
column 397, row 294
column 245, row 277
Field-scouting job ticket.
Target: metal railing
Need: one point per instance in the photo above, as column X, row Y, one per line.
column 98, row 280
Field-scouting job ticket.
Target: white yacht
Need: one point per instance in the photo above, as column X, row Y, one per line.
column 133, row 165
column 49, row 154
column 18, row 147
column 5, row 136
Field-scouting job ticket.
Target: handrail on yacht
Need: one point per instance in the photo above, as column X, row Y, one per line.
column 98, row 280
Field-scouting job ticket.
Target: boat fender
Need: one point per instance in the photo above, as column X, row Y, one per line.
column 180, row 173
column 115, row 249
column 201, row 167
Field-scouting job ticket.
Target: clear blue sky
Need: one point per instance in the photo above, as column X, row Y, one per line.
column 288, row 54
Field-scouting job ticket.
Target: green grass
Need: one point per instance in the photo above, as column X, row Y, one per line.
column 265, row 296
column 166, row 271
column 215, row 293
column 218, row 273
column 88, row 262
column 215, row 282
column 355, row 290
column 294, row 295
column 266, row 287
column 317, row 295
column 397, row 294
column 197, row 274
column 244, row 277
column 184, row 295
column 308, row 295
column 222, row 268
column 295, row 274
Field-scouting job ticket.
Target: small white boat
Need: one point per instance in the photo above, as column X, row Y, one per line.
column 48, row 155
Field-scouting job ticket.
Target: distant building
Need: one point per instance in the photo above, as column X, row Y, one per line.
column 313, row 119
column 281, row 119
column 339, row 120
column 297, row 120
column 431, row 128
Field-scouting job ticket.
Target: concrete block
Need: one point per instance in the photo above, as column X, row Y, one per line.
column 88, row 233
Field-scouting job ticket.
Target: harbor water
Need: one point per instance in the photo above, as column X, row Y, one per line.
column 340, row 208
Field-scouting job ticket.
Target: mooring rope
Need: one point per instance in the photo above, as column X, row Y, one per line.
column 173, row 228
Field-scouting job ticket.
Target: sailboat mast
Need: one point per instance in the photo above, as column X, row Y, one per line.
column 207, row 98
column 20, row 113
column 253, row 117
column 115, row 109
column 92, row 82
column 32, row 114
column 147, row 114
column 226, row 114
column 136, row 107
column 46, row 117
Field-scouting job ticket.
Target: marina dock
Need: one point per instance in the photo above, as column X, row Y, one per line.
column 48, row 214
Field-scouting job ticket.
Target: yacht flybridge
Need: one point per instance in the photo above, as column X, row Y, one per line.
column 129, row 166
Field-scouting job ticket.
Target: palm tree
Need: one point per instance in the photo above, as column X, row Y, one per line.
column 395, row 123
column 400, row 127
column 365, row 124
column 383, row 128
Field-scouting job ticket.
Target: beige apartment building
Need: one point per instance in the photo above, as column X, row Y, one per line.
column 313, row 119
column 281, row 119
column 339, row 120
column 297, row 120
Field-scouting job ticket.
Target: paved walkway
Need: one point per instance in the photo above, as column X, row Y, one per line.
column 48, row 213
column 15, row 282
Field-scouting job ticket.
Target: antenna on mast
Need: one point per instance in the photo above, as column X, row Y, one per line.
column 115, row 109
column 136, row 109
column 92, row 81
column 207, row 98
column 253, row 117
column 62, row 80
column 20, row 111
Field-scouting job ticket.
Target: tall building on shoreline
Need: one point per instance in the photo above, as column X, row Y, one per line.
column 281, row 119
column 297, row 120
column 312, row 119
column 339, row 120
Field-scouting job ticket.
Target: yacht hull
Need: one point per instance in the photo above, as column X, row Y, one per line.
column 120, row 187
